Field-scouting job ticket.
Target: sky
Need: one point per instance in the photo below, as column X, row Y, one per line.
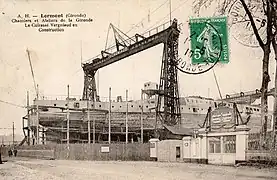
column 56, row 56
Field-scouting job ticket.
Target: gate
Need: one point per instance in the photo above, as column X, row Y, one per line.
column 222, row 149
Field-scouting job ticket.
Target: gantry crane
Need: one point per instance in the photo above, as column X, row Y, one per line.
column 168, row 105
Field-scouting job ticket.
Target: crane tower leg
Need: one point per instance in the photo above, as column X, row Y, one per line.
column 170, row 113
column 89, row 92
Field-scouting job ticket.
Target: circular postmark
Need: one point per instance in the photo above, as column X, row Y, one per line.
column 205, row 49
column 240, row 24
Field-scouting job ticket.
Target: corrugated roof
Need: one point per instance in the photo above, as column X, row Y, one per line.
column 179, row 130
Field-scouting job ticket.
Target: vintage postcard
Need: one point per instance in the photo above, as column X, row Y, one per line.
column 177, row 83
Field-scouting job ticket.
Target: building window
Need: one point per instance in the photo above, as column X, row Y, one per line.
column 229, row 144
column 119, row 106
column 76, row 105
column 55, row 104
column 132, row 106
column 146, row 106
column 194, row 109
column 178, row 152
column 112, row 106
column 214, row 145
column 99, row 105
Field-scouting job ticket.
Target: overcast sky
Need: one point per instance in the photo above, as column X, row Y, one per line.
column 56, row 57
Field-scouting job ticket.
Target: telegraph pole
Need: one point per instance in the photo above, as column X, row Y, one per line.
column 88, row 115
column 141, row 118
column 37, row 125
column 170, row 11
column 28, row 121
column 110, row 109
column 126, row 116
column 13, row 134
column 67, row 117
column 93, row 125
column 37, row 117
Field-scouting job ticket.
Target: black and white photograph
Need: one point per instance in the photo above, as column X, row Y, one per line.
column 138, row 89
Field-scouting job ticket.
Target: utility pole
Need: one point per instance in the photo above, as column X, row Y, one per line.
column 37, row 125
column 28, row 121
column 13, row 134
column 274, row 119
column 93, row 125
column 88, row 115
column 126, row 116
column 37, row 116
column 67, row 118
column 170, row 11
column 141, row 118
column 110, row 109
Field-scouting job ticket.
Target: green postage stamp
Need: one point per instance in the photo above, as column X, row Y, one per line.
column 209, row 40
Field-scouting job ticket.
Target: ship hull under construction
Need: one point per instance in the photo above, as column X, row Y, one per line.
column 140, row 117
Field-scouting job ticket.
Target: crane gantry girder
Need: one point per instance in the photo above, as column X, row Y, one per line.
column 137, row 47
column 168, row 88
column 247, row 97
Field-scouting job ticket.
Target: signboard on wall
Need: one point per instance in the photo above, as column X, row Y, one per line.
column 105, row 149
column 222, row 117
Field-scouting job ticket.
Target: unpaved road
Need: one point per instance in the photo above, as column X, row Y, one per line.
column 29, row 169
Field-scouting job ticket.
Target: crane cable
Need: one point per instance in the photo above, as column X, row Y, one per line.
column 32, row 71
column 179, row 6
column 148, row 15
column 135, row 25
column 12, row 104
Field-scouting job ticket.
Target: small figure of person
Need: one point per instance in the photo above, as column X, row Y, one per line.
column 15, row 152
column 10, row 152
column 0, row 158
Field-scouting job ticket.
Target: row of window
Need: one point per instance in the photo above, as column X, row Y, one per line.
column 200, row 101
column 228, row 142
column 252, row 109
column 77, row 105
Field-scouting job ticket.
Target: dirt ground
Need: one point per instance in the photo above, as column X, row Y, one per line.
column 29, row 169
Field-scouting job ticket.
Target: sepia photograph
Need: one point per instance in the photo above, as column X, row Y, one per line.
column 138, row 89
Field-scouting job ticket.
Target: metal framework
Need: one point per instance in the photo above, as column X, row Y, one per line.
column 168, row 111
column 169, row 114
column 89, row 92
column 247, row 97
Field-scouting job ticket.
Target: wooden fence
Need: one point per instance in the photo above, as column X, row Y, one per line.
column 97, row 152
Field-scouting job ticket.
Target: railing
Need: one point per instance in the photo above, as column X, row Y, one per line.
column 60, row 97
column 78, row 97
column 247, row 93
column 254, row 140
